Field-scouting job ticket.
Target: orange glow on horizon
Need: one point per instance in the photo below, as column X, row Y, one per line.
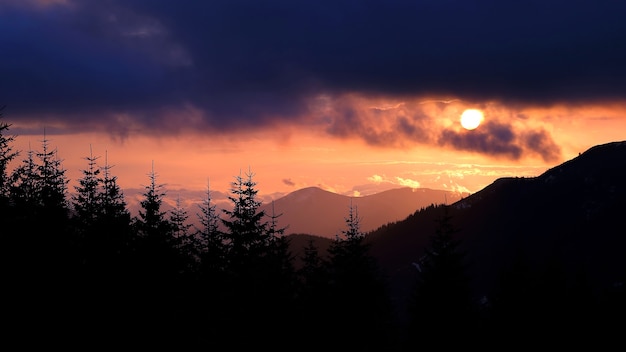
column 338, row 158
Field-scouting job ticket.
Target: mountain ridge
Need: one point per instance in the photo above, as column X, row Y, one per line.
column 569, row 219
column 315, row 211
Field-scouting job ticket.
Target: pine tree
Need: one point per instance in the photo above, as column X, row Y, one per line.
column 45, row 254
column 152, row 222
column 442, row 302
column 6, row 156
column 155, row 244
column 159, row 266
column 358, row 289
column 102, row 220
column 115, row 217
column 24, row 187
column 210, row 246
column 180, row 227
column 209, row 251
column 246, row 231
column 86, row 199
column 39, row 194
column 256, row 264
column 313, row 295
column 53, row 182
column 281, row 279
column 112, row 197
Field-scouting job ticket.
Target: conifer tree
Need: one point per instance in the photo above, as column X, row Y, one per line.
column 115, row 217
column 281, row 277
column 102, row 219
column 46, row 253
column 210, row 246
column 313, row 294
column 86, row 199
column 6, row 156
column 152, row 222
column 180, row 227
column 53, row 182
column 24, row 192
column 157, row 250
column 159, row 265
column 246, row 231
column 442, row 302
column 358, row 289
column 38, row 192
column 254, row 266
column 12, row 250
column 209, row 251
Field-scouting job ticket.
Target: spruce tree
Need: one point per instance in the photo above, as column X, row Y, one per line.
column 102, row 220
column 209, row 253
column 155, row 246
column 115, row 216
column 151, row 222
column 53, row 182
column 180, row 227
column 24, row 190
column 359, row 299
column 313, row 295
column 45, row 254
column 442, row 303
column 159, row 267
column 208, row 246
column 86, row 199
column 6, row 156
column 246, row 230
column 255, row 267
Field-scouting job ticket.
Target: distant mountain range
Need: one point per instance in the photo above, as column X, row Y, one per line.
column 317, row 212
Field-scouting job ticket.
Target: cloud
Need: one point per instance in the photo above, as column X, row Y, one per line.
column 131, row 67
column 501, row 140
column 288, row 182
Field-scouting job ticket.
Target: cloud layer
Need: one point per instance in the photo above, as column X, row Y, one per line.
column 131, row 66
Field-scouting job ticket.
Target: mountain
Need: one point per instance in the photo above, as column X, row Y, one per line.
column 568, row 220
column 322, row 213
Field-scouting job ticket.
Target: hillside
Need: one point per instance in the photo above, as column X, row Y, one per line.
column 568, row 219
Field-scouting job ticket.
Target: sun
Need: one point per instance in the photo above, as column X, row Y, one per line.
column 471, row 118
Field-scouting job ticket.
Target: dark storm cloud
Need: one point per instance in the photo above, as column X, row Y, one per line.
column 242, row 63
column 500, row 140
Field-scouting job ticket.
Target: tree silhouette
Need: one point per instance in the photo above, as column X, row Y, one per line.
column 86, row 199
column 52, row 182
column 359, row 300
column 115, row 219
column 256, row 263
column 180, row 227
column 6, row 155
column 209, row 246
column 442, row 302
column 246, row 231
column 151, row 221
column 313, row 296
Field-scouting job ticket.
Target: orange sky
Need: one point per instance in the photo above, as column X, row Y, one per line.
column 352, row 97
column 288, row 157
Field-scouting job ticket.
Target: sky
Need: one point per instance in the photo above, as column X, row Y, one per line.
column 354, row 97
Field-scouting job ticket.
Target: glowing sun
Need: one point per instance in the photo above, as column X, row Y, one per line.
column 471, row 118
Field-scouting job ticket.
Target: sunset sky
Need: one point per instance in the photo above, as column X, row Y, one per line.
column 352, row 96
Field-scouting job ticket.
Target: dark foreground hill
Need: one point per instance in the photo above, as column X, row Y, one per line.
column 567, row 223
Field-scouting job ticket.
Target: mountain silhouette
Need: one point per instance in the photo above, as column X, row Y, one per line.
column 569, row 218
column 317, row 212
